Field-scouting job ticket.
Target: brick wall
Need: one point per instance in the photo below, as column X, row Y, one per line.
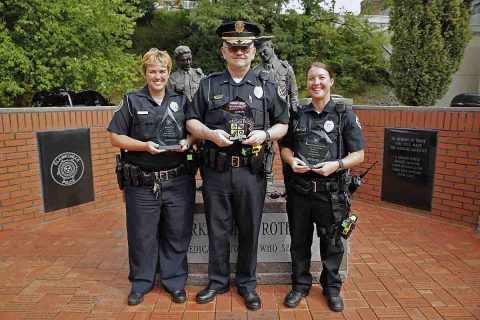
column 456, row 192
column 21, row 199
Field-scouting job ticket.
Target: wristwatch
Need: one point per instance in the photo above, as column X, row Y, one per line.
column 267, row 137
column 340, row 164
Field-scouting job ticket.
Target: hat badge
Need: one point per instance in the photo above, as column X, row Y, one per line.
column 239, row 26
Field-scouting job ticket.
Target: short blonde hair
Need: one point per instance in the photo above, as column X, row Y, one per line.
column 155, row 55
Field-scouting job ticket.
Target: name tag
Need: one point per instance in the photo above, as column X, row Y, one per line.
column 142, row 112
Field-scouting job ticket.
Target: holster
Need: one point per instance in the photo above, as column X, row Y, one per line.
column 257, row 161
column 118, row 171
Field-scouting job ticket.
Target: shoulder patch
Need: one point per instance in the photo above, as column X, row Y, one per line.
column 119, row 106
column 358, row 122
column 282, row 93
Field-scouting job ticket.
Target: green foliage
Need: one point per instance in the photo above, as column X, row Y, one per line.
column 64, row 44
column 429, row 39
column 351, row 46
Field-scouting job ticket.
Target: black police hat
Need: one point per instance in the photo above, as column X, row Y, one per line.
column 238, row 33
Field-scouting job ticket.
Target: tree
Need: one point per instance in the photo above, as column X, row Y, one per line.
column 428, row 42
column 64, row 44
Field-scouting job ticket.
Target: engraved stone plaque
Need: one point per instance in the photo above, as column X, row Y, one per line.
column 409, row 167
column 273, row 241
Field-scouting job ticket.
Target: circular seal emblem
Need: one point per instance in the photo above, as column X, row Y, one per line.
column 258, row 92
column 67, row 169
column 328, row 126
column 174, row 106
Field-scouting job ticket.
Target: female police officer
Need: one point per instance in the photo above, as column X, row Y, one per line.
column 323, row 140
column 159, row 183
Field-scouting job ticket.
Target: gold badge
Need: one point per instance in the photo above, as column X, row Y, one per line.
column 218, row 97
column 239, row 26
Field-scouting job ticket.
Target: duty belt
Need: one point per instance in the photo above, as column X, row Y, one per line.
column 324, row 186
column 169, row 174
column 135, row 176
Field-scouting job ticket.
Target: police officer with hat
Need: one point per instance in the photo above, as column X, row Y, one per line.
column 323, row 141
column 237, row 113
column 158, row 176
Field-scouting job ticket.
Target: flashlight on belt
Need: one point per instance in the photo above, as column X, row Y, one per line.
column 348, row 225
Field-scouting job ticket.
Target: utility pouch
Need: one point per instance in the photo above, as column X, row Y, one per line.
column 134, row 175
column 256, row 164
column 212, row 158
column 348, row 225
column 126, row 174
column 119, row 171
column 269, row 156
column 221, row 161
column 191, row 162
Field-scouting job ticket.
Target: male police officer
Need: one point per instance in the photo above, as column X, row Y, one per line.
column 185, row 79
column 230, row 111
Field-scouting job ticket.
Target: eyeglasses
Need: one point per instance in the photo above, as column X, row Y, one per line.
column 275, row 194
column 243, row 49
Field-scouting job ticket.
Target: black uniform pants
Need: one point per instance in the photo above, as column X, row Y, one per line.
column 303, row 212
column 160, row 229
column 235, row 195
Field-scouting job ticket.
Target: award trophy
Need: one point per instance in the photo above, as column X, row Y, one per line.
column 315, row 148
column 169, row 132
column 240, row 119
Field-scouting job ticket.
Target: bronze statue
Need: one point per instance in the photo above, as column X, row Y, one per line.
column 185, row 79
column 279, row 70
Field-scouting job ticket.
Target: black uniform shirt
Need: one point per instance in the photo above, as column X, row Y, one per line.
column 218, row 89
column 138, row 116
column 328, row 120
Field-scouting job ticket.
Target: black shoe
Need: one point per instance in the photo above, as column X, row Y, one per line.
column 135, row 298
column 179, row 296
column 252, row 300
column 208, row 294
column 293, row 298
column 335, row 302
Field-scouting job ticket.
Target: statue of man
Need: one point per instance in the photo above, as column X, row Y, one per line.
column 279, row 70
column 185, row 79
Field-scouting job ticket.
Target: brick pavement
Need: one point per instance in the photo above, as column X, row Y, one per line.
column 403, row 266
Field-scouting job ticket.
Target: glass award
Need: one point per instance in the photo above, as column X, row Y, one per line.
column 315, row 148
column 169, row 132
column 240, row 119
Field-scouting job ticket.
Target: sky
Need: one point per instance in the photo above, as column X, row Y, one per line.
column 340, row 6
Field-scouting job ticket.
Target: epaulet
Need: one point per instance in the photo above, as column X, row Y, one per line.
column 199, row 70
column 214, row 74
column 340, row 107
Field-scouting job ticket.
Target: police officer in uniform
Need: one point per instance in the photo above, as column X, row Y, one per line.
column 158, row 179
column 185, row 79
column 323, row 141
column 230, row 111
